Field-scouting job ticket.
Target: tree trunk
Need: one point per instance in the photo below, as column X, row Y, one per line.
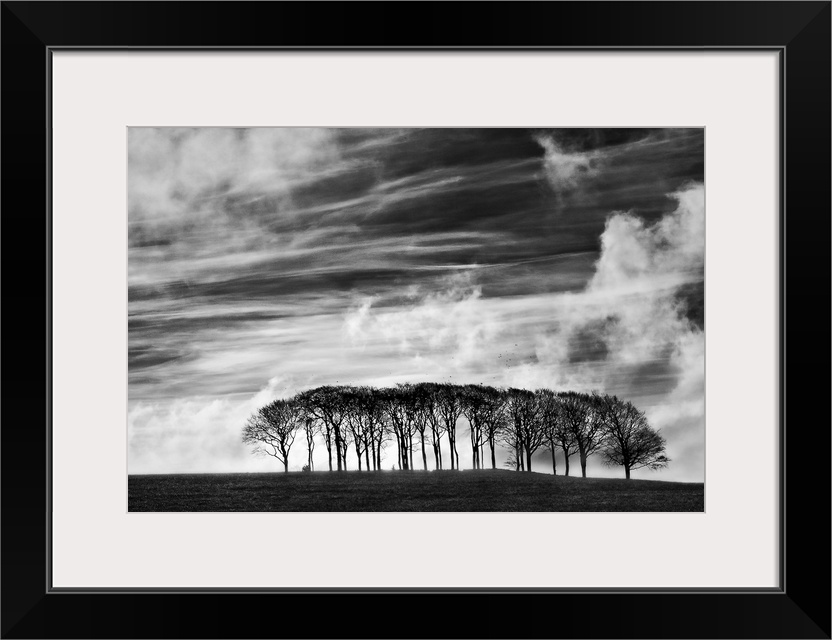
column 424, row 455
column 554, row 464
column 627, row 471
column 566, row 457
column 338, row 448
column 439, row 455
column 367, row 456
column 399, row 451
column 528, row 461
column 329, row 451
column 583, row 465
column 286, row 467
column 452, row 447
column 493, row 458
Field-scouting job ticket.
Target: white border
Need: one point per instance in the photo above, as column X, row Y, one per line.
column 96, row 95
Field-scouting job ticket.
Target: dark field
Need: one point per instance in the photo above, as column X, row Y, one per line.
column 487, row 490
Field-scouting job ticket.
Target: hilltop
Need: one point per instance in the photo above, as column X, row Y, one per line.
column 484, row 490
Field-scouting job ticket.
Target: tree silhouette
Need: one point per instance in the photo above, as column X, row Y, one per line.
column 369, row 402
column 311, row 430
column 356, row 419
column 475, row 407
column 550, row 416
column 272, row 429
column 581, row 415
column 494, row 422
column 520, row 420
column 326, row 405
column 422, row 409
column 630, row 441
column 449, row 408
column 523, row 410
column 397, row 410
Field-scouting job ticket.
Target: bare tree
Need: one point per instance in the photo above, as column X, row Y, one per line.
column 433, row 416
column 523, row 411
column 421, row 402
column 449, row 408
column 369, row 405
column 550, row 419
column 343, row 444
column 494, row 419
column 272, row 429
column 326, row 404
column 567, row 443
column 512, row 436
column 311, row 430
column 582, row 418
column 356, row 421
column 398, row 412
column 630, row 441
column 475, row 409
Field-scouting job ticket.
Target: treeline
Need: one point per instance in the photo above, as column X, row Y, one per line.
column 415, row 418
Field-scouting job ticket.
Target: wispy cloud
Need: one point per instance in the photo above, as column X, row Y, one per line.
column 568, row 170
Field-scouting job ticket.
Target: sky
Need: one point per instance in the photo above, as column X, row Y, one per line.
column 265, row 261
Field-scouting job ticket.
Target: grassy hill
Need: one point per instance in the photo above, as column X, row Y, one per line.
column 486, row 490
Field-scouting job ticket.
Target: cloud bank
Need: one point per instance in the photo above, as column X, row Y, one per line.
column 626, row 333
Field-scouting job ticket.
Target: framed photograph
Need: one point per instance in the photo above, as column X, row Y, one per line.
column 500, row 307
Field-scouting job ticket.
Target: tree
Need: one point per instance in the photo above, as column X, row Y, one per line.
column 369, row 403
column 474, row 403
column 494, row 418
column 582, row 419
column 311, row 430
column 343, row 443
column 556, row 427
column 523, row 410
column 512, row 435
column 449, row 408
column 397, row 409
column 421, row 403
column 356, row 419
column 630, row 441
column 326, row 404
column 550, row 419
column 272, row 429
column 433, row 416
column 567, row 443
column 510, row 438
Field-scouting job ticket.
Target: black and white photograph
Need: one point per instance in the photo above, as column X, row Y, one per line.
column 416, row 319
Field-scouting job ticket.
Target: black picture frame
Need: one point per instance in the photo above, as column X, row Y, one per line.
column 799, row 608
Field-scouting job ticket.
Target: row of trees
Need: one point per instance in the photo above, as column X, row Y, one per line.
column 415, row 418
